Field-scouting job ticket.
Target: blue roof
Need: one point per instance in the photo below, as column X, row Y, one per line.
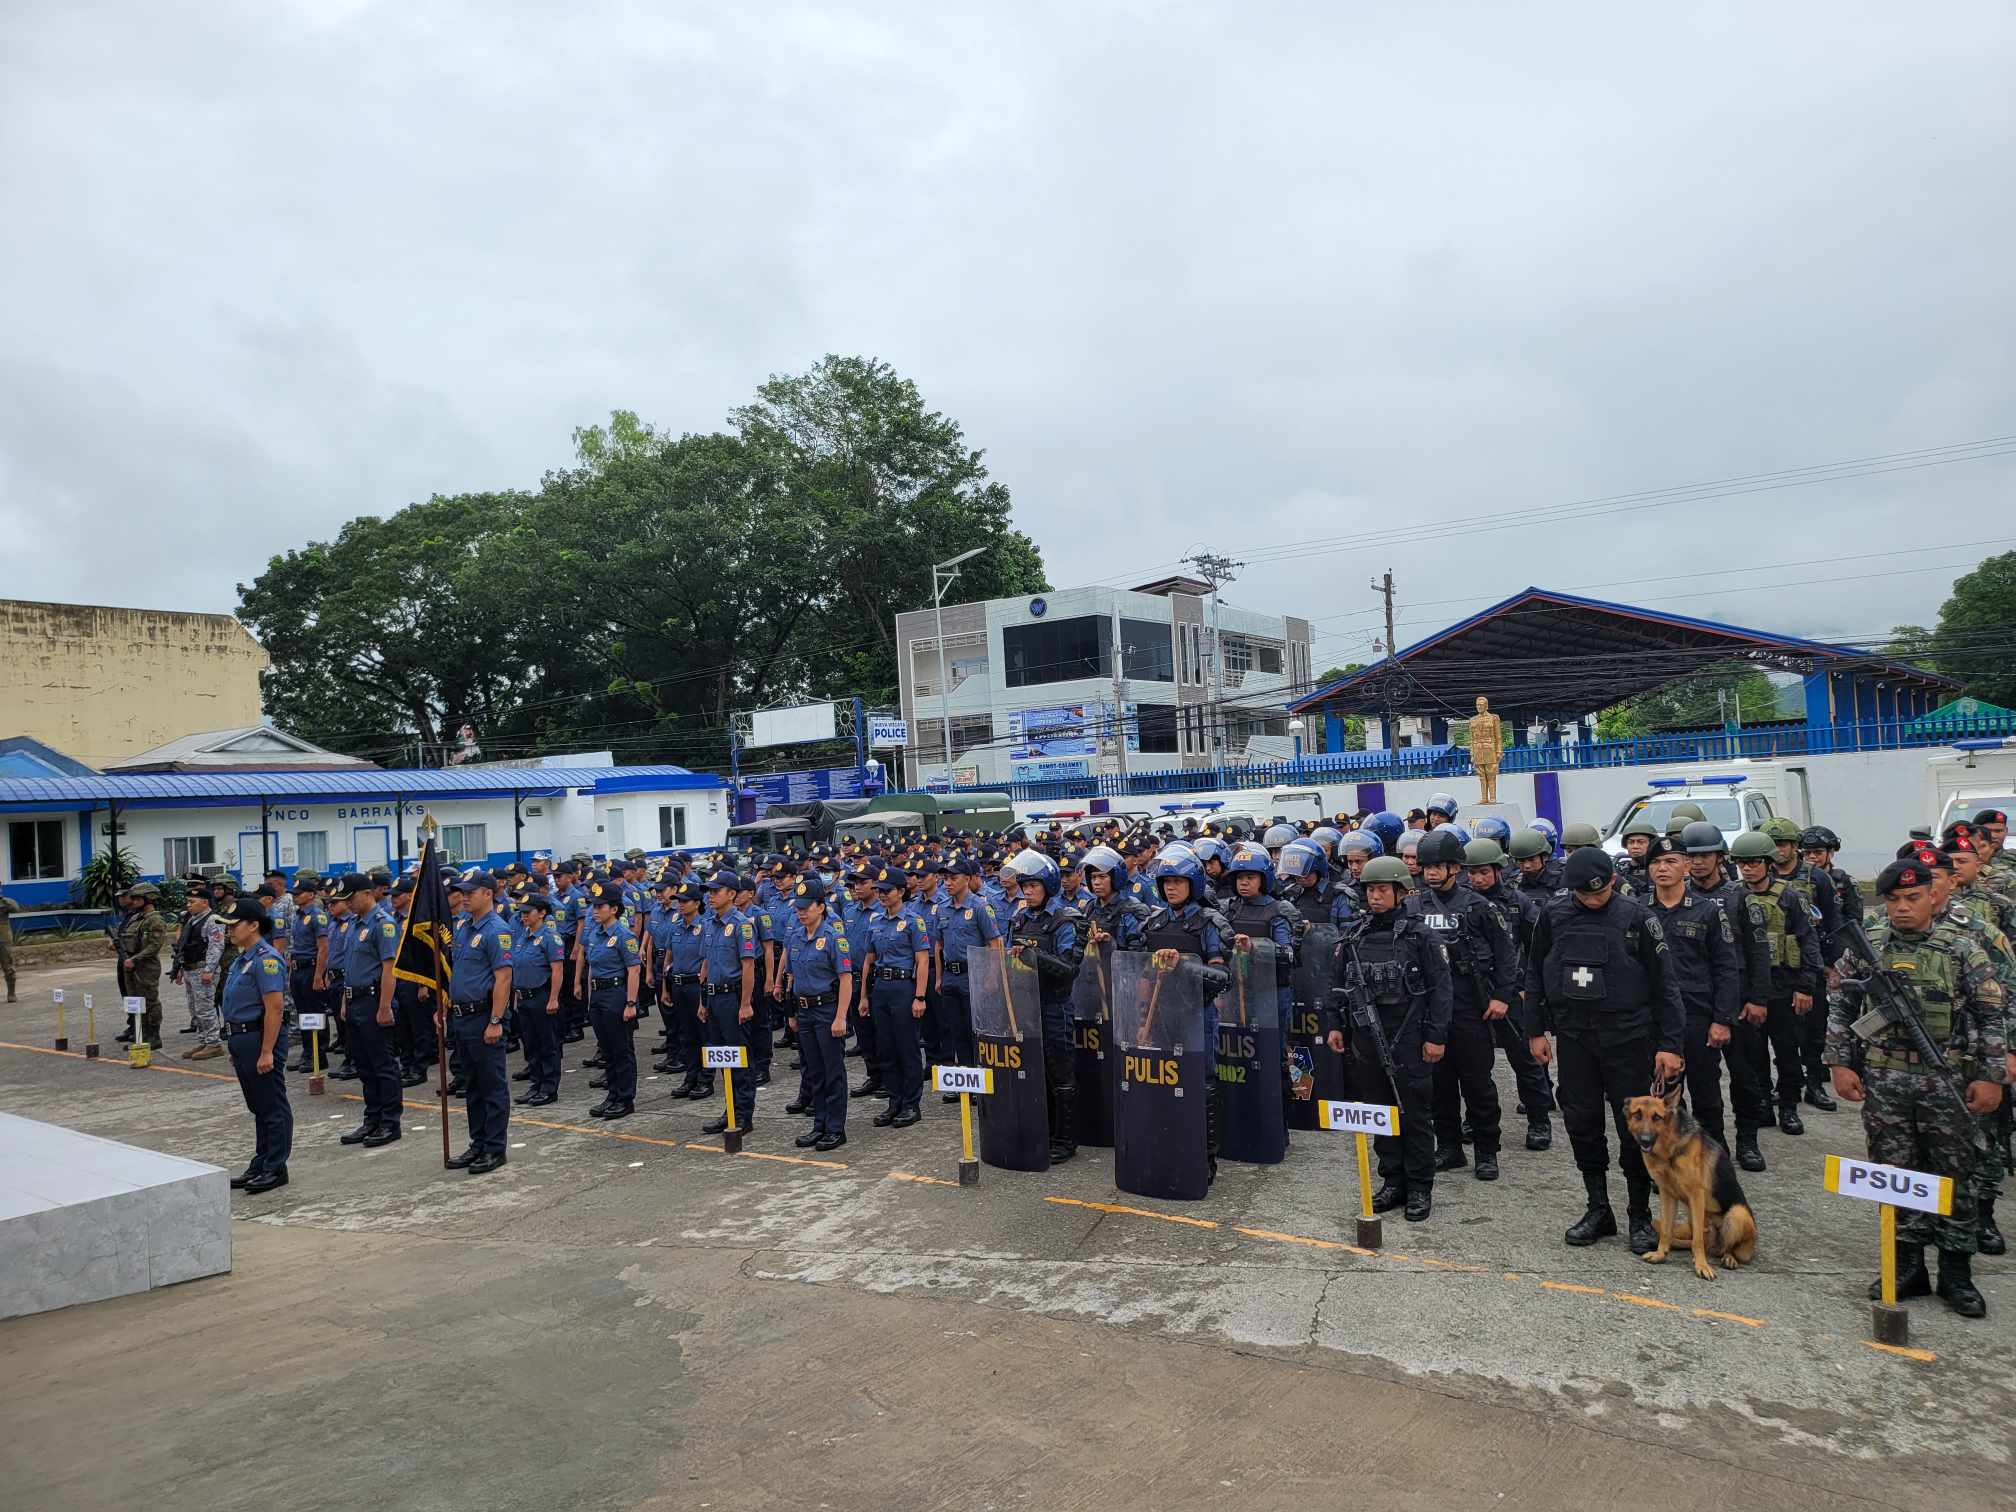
column 184, row 789
column 24, row 756
column 1546, row 652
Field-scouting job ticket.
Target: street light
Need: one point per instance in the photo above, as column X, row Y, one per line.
column 942, row 576
column 1295, row 728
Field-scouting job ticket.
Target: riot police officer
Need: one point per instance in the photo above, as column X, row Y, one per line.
column 1049, row 936
column 1539, row 873
column 1597, row 980
column 1485, row 861
column 1638, row 834
column 1749, row 1097
column 1183, row 926
column 1396, row 969
column 1702, row 955
column 1482, row 962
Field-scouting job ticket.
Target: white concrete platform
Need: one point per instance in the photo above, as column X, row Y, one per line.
column 84, row 1218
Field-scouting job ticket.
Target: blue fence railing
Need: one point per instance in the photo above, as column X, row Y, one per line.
column 1426, row 762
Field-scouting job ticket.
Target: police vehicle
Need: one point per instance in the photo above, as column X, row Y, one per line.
column 1978, row 774
column 1732, row 802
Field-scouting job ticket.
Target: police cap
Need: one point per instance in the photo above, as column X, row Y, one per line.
column 307, row 881
column 890, row 879
column 1588, row 870
column 1925, row 854
column 536, row 900
column 1991, row 816
column 352, row 885
column 809, row 891
column 246, row 911
column 724, row 878
column 402, row 888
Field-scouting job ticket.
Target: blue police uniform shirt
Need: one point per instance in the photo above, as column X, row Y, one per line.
column 766, row 927
column 611, row 949
column 962, row 925
column 819, row 960
column 895, row 938
column 368, row 944
column 481, row 949
column 727, row 940
column 310, row 925
column 684, row 946
column 535, row 951
column 567, row 910
column 663, row 927
column 254, row 974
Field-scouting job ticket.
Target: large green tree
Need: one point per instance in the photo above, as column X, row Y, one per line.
column 652, row 589
column 1976, row 632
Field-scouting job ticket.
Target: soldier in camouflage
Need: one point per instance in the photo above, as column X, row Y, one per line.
column 138, row 944
column 1992, row 917
column 1909, row 1115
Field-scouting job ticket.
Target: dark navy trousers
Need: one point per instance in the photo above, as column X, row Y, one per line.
column 265, row 1096
column 489, row 1073
column 372, row 1054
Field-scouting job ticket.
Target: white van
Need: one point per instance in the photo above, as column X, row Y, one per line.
column 1977, row 774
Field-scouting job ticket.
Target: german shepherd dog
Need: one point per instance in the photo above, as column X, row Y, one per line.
column 1691, row 1167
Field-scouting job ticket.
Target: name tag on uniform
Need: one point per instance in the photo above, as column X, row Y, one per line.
column 1439, row 921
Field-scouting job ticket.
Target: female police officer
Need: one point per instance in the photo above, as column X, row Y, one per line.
column 257, row 1039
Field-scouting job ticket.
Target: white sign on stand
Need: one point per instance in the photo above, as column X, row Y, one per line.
column 1918, row 1190
column 974, row 1080
column 723, row 1057
column 1358, row 1118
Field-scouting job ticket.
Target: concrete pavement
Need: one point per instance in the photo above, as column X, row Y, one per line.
column 629, row 1317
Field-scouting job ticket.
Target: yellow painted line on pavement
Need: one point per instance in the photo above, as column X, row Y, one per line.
column 1923, row 1356
column 1637, row 1301
column 1722, row 1317
column 1132, row 1212
column 924, row 1180
column 1331, row 1244
column 1570, row 1286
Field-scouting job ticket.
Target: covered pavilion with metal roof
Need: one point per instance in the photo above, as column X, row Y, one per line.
column 1547, row 657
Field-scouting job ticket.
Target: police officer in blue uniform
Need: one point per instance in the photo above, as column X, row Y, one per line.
column 1183, row 926
column 1048, row 935
column 897, row 956
column 538, row 965
column 820, row 982
column 728, row 968
column 678, row 965
column 479, row 997
column 967, row 919
column 308, row 957
column 612, row 963
column 369, row 942
column 255, row 1033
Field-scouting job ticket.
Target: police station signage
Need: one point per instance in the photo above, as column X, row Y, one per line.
column 284, row 814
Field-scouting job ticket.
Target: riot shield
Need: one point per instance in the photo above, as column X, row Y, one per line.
column 1008, row 1034
column 1316, row 1072
column 1092, row 1037
column 1159, row 1124
column 1252, row 1121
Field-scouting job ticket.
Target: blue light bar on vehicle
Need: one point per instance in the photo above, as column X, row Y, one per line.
column 1667, row 782
column 1986, row 743
column 1723, row 781
column 1177, row 808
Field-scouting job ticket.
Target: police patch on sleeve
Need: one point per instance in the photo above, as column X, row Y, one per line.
column 270, row 965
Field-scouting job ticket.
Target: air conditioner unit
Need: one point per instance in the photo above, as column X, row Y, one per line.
column 534, row 810
column 107, row 829
column 211, row 872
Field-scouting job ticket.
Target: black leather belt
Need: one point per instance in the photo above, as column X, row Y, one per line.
column 605, row 981
column 955, row 968
column 828, row 1000
column 365, row 992
column 716, row 989
column 530, row 992
column 251, row 1028
column 683, row 978
column 891, row 974
column 463, row 1010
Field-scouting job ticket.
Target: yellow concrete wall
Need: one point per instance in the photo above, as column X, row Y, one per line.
column 103, row 684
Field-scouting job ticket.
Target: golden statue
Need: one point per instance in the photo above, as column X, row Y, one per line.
column 1487, row 749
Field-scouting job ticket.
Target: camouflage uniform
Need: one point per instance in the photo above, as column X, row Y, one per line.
column 1908, row 1116
column 200, row 979
column 1991, row 917
column 142, row 934
column 7, row 906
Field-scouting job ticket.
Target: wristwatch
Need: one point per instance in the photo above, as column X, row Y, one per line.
column 497, row 1023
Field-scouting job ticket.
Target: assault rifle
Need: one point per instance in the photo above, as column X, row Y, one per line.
column 1359, row 1009
column 1891, row 1007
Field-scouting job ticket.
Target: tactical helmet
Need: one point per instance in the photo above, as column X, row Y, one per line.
column 1442, row 804
column 1304, row 858
column 1387, row 869
column 1361, row 841
column 1754, row 845
column 1279, row 835
column 1033, row 866
column 1459, row 832
column 1491, row 827
column 1103, row 858
column 1408, row 843
column 1782, row 829
column 1580, row 834
column 1677, row 822
column 1212, row 849
column 1387, row 826
column 1528, row 843
column 1251, row 858
column 1179, row 861
column 1640, row 823
column 1819, row 837
column 1483, row 853
column 1439, row 847
column 1688, row 809
column 1324, row 835
column 1701, row 838
column 1546, row 827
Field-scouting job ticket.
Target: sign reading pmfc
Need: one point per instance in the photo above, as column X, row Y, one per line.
column 1358, row 1118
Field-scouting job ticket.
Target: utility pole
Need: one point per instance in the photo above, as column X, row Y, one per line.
column 1119, row 698
column 1384, row 586
column 1216, row 569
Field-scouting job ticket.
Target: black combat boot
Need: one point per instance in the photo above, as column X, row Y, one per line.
column 1990, row 1240
column 1487, row 1165
column 1539, row 1132
column 1638, row 1210
column 1789, row 1121
column 1817, row 1096
column 1451, row 1158
column 1389, row 1196
column 1956, row 1285
column 1912, row 1280
column 1420, row 1203
column 1063, row 1124
column 1748, row 1155
column 1598, row 1222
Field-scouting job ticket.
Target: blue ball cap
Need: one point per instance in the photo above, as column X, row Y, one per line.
column 724, row 878
column 810, row 891
column 890, row 878
column 476, row 879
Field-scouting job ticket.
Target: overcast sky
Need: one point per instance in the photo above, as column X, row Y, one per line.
column 1244, row 276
